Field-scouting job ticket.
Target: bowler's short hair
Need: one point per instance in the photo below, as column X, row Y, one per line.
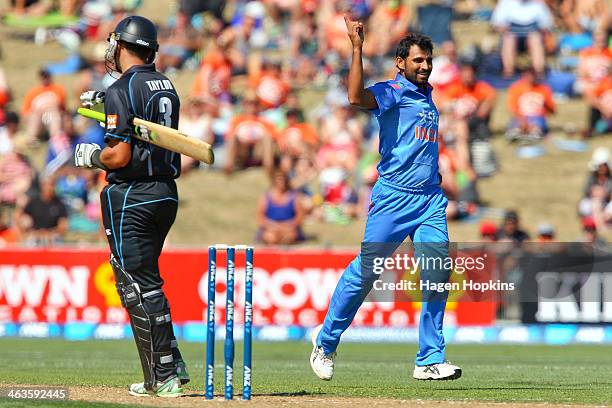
column 422, row 41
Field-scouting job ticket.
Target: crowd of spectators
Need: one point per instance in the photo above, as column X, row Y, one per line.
column 252, row 60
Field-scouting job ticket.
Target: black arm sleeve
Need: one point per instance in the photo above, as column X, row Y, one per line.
column 95, row 160
column 116, row 108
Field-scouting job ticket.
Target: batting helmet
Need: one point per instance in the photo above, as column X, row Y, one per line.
column 135, row 30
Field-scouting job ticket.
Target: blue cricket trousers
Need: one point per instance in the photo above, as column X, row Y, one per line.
column 395, row 215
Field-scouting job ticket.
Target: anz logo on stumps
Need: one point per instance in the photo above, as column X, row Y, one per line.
column 229, row 376
column 247, row 376
column 213, row 268
column 211, row 373
column 248, row 308
column 230, row 310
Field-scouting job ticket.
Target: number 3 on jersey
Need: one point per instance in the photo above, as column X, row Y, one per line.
column 165, row 111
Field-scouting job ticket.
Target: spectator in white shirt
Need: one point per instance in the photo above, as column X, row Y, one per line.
column 522, row 24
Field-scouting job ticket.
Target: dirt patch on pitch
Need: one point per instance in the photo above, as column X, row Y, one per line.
column 116, row 395
column 120, row 396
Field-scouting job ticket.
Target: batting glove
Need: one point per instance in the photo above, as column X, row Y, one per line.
column 91, row 98
column 84, row 153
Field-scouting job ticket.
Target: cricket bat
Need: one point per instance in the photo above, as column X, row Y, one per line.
column 165, row 137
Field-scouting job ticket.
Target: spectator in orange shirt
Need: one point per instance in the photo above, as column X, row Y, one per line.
column 530, row 102
column 42, row 107
column 269, row 86
column 335, row 28
column 298, row 138
column 594, row 63
column 250, row 138
column 600, row 99
column 469, row 103
column 213, row 78
column 387, row 26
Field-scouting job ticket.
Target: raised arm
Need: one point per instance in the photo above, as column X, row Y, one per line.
column 357, row 95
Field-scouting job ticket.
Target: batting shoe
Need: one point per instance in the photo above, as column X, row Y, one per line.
column 170, row 388
column 322, row 364
column 439, row 371
column 181, row 372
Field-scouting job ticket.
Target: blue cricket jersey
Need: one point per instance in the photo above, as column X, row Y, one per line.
column 408, row 122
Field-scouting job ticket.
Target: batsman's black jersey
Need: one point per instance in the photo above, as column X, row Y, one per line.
column 144, row 93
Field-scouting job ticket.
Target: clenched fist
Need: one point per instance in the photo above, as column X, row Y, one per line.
column 355, row 31
column 84, row 154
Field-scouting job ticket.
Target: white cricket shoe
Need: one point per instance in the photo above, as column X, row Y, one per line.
column 169, row 388
column 440, row 371
column 322, row 364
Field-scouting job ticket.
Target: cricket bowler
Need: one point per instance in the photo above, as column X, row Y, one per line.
column 407, row 201
column 140, row 202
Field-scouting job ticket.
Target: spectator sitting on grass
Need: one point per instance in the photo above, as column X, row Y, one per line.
column 590, row 234
column 8, row 133
column 445, row 69
column 196, row 120
column 546, row 232
column 600, row 100
column 35, row 8
column 470, row 103
column 61, row 145
column 530, row 102
column 16, row 174
column 250, row 138
column 298, row 138
column 279, row 213
column 42, row 107
column 5, row 92
column 43, row 220
column 596, row 200
column 8, row 235
column 71, row 188
column 269, row 85
column 459, row 184
column 215, row 72
column 523, row 25
column 304, row 46
column 488, row 231
column 341, row 137
column 510, row 229
column 177, row 44
column 247, row 38
column 94, row 77
column 387, row 25
column 594, row 64
column 586, row 16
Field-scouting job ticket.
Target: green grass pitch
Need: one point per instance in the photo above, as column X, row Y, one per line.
column 577, row 374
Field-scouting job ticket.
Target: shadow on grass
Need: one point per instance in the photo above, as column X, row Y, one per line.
column 512, row 388
column 301, row 393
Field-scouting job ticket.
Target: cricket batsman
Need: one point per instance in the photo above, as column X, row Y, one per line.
column 139, row 204
column 406, row 201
